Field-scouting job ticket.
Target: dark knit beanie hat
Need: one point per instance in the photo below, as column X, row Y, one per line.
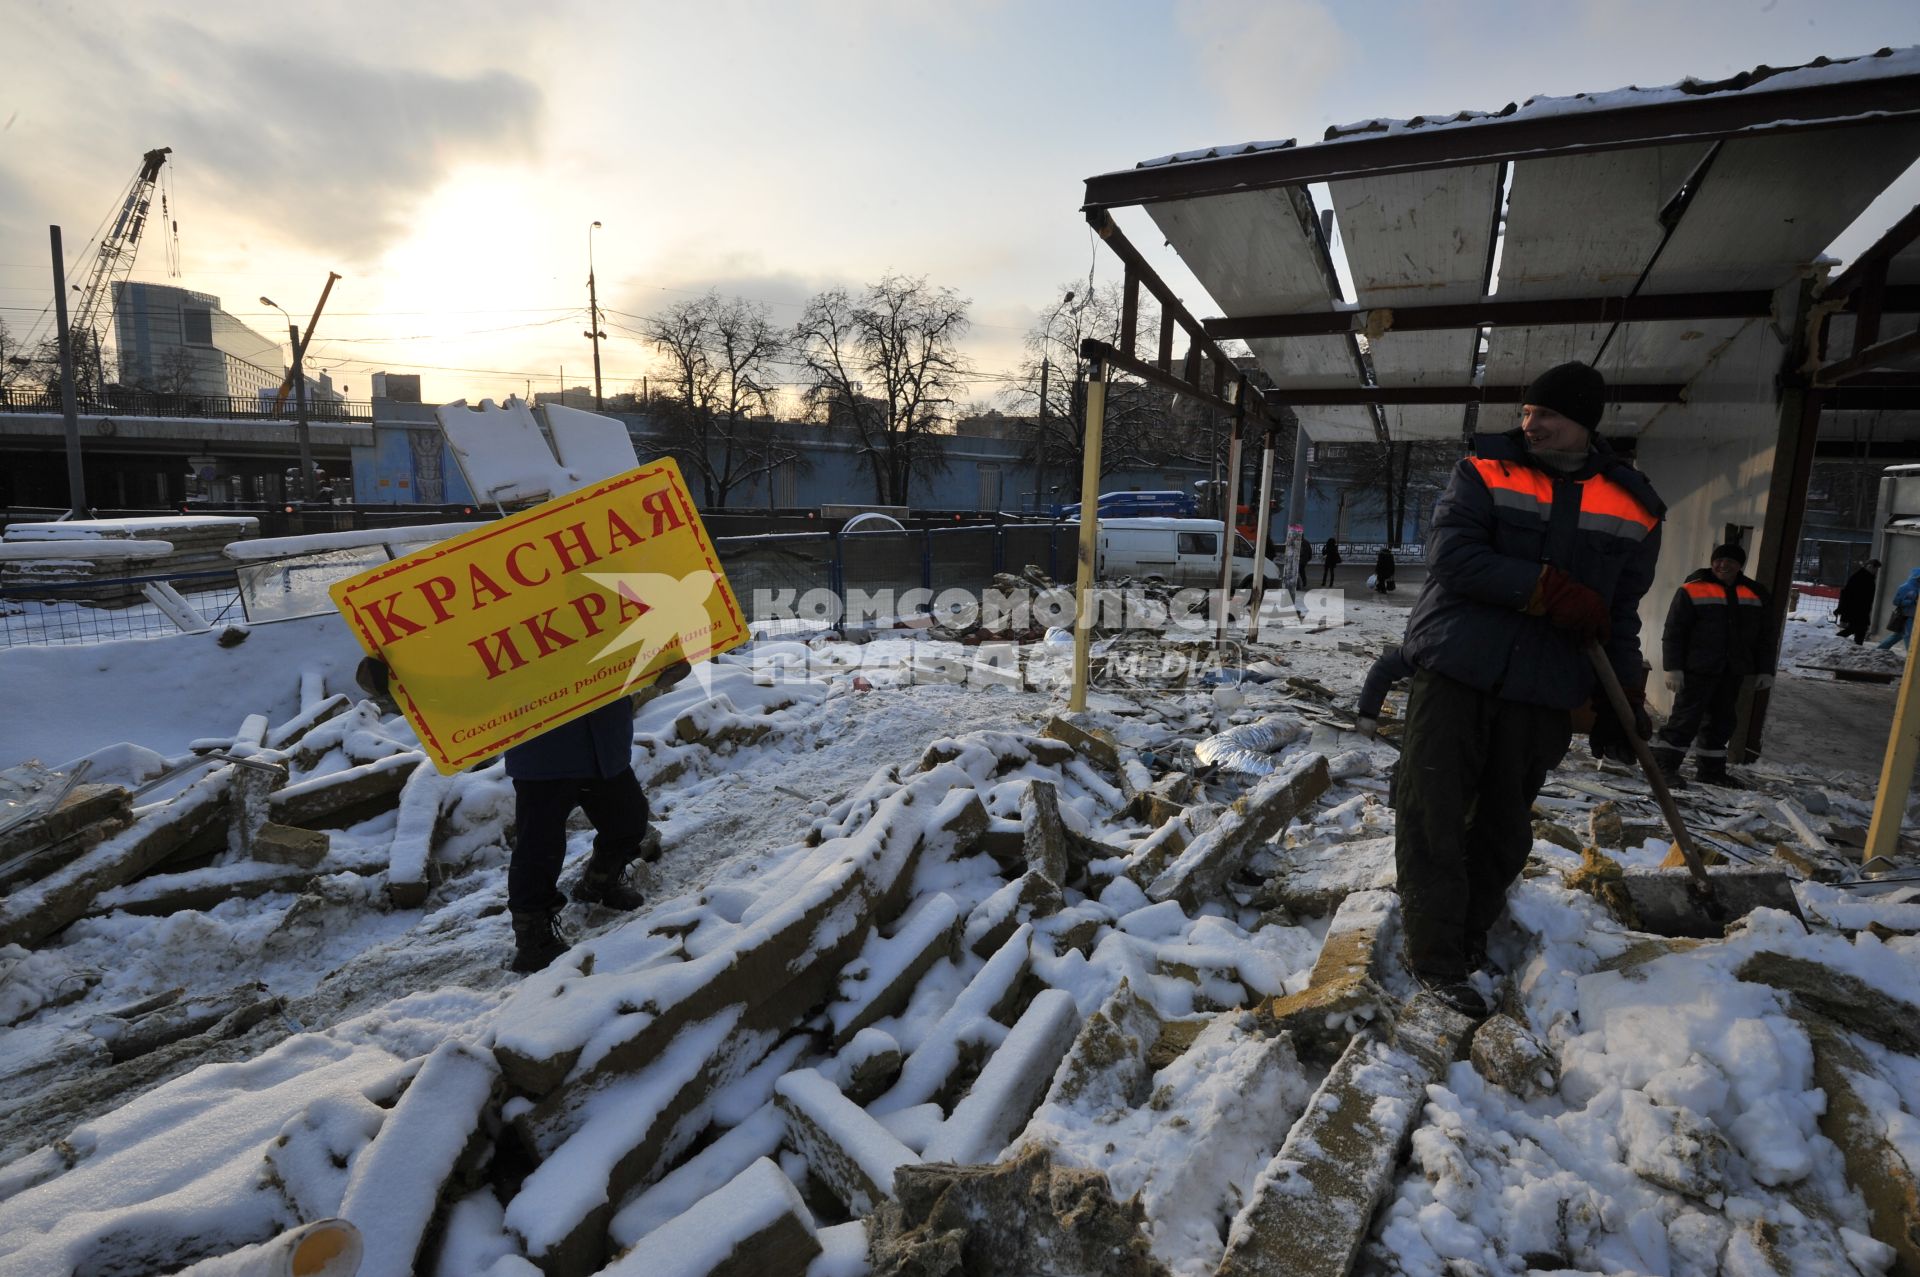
column 1729, row 551
column 1573, row 390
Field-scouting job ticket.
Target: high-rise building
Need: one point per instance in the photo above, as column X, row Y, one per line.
column 177, row 341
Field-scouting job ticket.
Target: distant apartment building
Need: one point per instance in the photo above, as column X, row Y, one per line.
column 177, row 341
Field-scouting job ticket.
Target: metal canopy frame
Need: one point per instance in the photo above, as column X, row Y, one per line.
column 1716, row 113
column 1699, row 146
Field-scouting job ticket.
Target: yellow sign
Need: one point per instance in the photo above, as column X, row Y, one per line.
column 504, row 632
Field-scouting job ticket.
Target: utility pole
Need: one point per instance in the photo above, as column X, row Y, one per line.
column 593, row 313
column 307, row 492
column 69, row 409
column 1040, row 442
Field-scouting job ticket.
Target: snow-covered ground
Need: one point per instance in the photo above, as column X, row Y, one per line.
column 1683, row 1134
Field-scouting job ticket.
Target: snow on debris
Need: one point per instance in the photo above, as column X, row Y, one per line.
column 858, row 867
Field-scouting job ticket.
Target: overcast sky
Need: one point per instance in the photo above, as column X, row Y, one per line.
column 447, row 158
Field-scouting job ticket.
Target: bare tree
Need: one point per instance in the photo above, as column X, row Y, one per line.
column 720, row 353
column 885, row 366
column 10, row 372
column 1382, row 478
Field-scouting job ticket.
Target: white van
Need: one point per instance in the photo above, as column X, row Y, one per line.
column 1175, row 552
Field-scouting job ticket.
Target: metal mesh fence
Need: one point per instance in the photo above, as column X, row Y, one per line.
column 784, row 581
column 75, row 613
column 963, row 558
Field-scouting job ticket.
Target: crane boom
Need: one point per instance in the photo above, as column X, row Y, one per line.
column 112, row 264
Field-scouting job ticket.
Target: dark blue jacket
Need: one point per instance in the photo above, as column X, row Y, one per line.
column 594, row 746
column 1391, row 667
column 1503, row 517
column 1718, row 629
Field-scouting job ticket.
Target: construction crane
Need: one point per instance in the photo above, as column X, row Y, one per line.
column 112, row 264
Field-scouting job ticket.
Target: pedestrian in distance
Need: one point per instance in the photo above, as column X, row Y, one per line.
column 585, row 762
column 1904, row 600
column 1306, row 557
column 1329, row 559
column 1717, row 635
column 1544, row 542
column 1855, row 608
column 1383, row 571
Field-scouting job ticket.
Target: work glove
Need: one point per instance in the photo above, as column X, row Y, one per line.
column 1367, row 727
column 375, row 679
column 1763, row 682
column 1673, row 679
column 1569, row 605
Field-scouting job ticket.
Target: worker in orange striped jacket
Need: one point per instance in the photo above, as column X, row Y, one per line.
column 1717, row 634
column 1544, row 541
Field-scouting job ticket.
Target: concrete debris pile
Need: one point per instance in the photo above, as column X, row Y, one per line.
column 1121, row 994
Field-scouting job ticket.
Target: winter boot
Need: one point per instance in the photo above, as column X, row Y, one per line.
column 536, row 941
column 1713, row 771
column 1668, row 760
column 607, row 885
column 1457, row 992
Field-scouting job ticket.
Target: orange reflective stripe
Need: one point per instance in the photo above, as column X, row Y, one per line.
column 1601, row 495
column 1748, row 597
column 1705, row 591
column 1520, row 488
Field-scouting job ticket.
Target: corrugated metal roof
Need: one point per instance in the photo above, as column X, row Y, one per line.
column 1744, row 200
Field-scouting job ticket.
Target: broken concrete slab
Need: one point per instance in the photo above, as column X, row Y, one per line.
column 343, row 797
column 1507, row 1054
column 1322, row 1017
column 438, row 1124
column 1673, row 1148
column 1010, row 750
column 1159, row 849
column 1557, row 834
column 1009, row 1088
column 756, row 1226
column 990, row 994
column 416, row 829
column 1106, row 1067
column 1030, row 896
column 157, row 895
column 640, row 1121
column 1094, row 743
column 879, row 982
column 1311, row 881
column 285, row 845
column 1023, row 1216
column 851, row 1153
column 288, row 734
column 1847, row 1000
column 247, row 794
column 1859, row 1107
column 1175, row 1039
column 38, row 845
column 1045, row 840
column 1360, row 940
column 1202, row 871
column 1312, row 1205
column 42, row 908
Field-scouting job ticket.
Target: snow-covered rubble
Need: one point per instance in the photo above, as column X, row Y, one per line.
column 901, row 923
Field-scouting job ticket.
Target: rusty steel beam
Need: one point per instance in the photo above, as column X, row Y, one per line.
column 1873, row 262
column 1902, row 352
column 1091, row 348
column 1362, row 396
column 1703, row 117
column 1749, row 304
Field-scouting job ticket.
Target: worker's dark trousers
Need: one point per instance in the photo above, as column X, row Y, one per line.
column 1470, row 767
column 1704, row 709
column 617, row 806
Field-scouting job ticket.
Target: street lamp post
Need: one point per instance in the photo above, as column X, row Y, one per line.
column 299, row 402
column 593, row 318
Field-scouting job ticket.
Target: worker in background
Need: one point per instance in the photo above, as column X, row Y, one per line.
column 1329, row 559
column 1306, row 557
column 1855, row 608
column 1904, row 600
column 1717, row 634
column 585, row 762
column 1543, row 543
column 1383, row 566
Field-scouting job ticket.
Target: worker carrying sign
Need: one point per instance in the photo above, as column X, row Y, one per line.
column 501, row 633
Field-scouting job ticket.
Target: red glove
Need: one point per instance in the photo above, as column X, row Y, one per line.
column 1570, row 605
